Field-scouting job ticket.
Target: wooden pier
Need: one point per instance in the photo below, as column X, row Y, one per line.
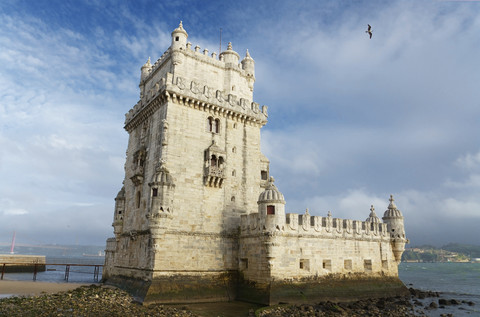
column 36, row 263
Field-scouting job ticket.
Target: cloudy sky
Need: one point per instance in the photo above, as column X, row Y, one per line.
column 351, row 119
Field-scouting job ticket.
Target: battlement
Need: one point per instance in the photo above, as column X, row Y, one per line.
column 184, row 75
column 321, row 227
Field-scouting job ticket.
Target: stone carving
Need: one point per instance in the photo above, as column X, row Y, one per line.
column 181, row 82
column 195, row 87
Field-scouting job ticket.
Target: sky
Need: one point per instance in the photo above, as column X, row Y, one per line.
column 351, row 119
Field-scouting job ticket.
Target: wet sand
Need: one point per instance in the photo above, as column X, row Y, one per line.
column 26, row 288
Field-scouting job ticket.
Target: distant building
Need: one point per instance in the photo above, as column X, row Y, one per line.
column 199, row 217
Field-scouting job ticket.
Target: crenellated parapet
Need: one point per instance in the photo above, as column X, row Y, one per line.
column 315, row 226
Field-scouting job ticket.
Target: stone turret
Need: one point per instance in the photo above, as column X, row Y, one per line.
column 271, row 207
column 119, row 212
column 394, row 220
column 161, row 205
column 179, row 38
column 145, row 71
column 373, row 216
column 230, row 56
column 248, row 65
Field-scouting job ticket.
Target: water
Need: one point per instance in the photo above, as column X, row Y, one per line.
column 56, row 273
column 460, row 281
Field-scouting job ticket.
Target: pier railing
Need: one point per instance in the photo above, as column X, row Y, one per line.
column 41, row 267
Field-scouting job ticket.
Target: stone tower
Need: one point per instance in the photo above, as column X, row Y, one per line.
column 199, row 218
column 193, row 167
column 394, row 220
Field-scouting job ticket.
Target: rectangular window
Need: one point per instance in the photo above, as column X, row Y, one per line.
column 270, row 210
column 347, row 264
column 155, row 192
column 327, row 265
column 304, row 264
column 264, row 175
column 367, row 265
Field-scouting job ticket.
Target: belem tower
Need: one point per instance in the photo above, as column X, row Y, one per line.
column 199, row 218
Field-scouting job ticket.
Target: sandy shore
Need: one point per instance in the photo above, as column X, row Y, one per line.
column 34, row 288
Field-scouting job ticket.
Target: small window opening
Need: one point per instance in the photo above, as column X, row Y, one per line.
column 367, row 265
column 217, row 125
column 233, row 198
column 304, row 264
column 234, row 173
column 234, row 149
column 177, row 38
column 138, row 199
column 155, row 192
column 209, row 124
column 347, row 264
column 264, row 175
column 270, row 210
column 243, row 264
column 327, row 265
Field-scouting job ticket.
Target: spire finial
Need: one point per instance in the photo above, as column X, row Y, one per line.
column 306, row 212
column 329, row 214
column 392, row 204
column 372, row 209
column 180, row 25
column 271, row 179
column 248, row 54
column 229, row 47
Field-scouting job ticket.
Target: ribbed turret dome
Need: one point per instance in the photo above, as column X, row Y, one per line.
column 180, row 29
column 247, row 57
column 271, row 193
column 373, row 216
column 121, row 193
column 392, row 211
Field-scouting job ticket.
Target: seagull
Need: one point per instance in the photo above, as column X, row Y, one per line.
column 369, row 30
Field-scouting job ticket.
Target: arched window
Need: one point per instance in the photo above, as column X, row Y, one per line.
column 213, row 125
column 209, row 124
column 213, row 161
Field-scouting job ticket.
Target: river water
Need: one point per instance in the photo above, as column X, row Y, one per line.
column 460, row 281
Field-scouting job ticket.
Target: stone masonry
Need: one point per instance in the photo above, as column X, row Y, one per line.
column 199, row 217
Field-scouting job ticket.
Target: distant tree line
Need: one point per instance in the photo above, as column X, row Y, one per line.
column 429, row 253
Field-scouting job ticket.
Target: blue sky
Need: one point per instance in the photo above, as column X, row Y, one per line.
column 351, row 120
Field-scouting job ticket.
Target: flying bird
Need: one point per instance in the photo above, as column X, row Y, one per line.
column 369, row 30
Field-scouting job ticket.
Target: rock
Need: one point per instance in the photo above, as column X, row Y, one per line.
column 432, row 305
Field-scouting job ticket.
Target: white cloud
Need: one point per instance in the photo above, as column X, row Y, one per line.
column 351, row 119
column 469, row 161
column 15, row 212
